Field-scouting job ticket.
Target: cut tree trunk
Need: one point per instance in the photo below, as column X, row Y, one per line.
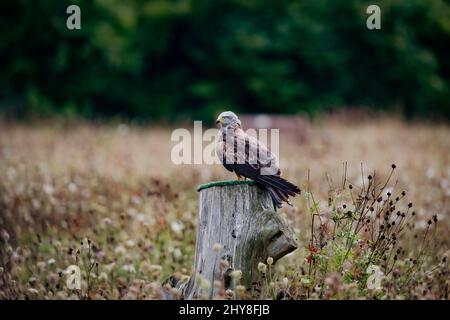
column 238, row 224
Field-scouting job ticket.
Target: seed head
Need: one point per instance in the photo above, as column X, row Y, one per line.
column 262, row 267
column 240, row 290
column 236, row 275
column 229, row 293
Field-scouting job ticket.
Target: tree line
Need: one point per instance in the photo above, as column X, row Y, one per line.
column 167, row 59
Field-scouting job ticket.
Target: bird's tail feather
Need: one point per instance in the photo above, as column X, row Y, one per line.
column 279, row 188
column 280, row 183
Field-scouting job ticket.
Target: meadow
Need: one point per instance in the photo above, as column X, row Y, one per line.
column 107, row 198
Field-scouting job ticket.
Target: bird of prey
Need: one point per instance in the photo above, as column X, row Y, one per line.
column 249, row 158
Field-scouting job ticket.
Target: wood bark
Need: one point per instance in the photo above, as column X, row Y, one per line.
column 238, row 217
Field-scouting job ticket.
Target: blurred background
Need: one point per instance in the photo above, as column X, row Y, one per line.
column 86, row 118
column 172, row 59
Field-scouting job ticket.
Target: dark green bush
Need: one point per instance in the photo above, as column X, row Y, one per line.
column 168, row 59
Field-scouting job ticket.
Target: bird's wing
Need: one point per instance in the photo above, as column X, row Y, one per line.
column 246, row 156
column 259, row 153
column 238, row 148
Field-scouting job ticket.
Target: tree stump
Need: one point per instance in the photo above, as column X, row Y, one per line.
column 240, row 216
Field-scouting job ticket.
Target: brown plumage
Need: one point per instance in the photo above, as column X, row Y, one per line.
column 247, row 157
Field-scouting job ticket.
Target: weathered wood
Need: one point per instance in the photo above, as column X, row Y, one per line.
column 239, row 216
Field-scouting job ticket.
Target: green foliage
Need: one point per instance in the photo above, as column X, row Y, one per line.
column 170, row 59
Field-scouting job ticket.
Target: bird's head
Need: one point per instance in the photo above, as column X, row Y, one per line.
column 228, row 119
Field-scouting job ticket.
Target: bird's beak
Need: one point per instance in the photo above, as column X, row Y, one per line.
column 219, row 120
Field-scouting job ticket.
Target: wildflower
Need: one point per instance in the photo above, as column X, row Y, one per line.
column 240, row 290
column 61, row 295
column 120, row 250
column 51, row 261
column 269, row 261
column 129, row 268
column 103, row 277
column 53, row 279
column 177, row 227
column 33, row 291
column 72, row 187
column 48, row 189
column 262, row 267
column 155, row 269
column 236, row 275
column 41, row 265
column 284, row 283
column 109, row 267
column 184, row 278
column 387, row 193
column 121, row 282
column 229, row 293
column 306, row 281
column 347, row 265
column 177, row 255
column 144, row 267
column 312, row 251
column 5, row 235
column 217, row 247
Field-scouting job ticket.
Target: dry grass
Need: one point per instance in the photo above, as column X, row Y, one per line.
column 116, row 186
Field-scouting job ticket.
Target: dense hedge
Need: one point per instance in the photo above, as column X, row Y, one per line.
column 167, row 59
